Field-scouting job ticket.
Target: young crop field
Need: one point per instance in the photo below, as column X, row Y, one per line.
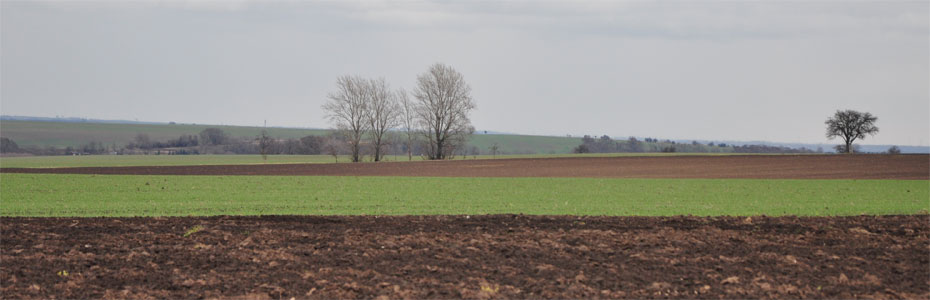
column 143, row 195
column 788, row 226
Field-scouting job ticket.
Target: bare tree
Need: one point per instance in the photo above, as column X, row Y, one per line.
column 346, row 109
column 407, row 120
column 264, row 143
column 333, row 145
column 851, row 125
column 444, row 101
column 213, row 136
column 493, row 149
column 143, row 141
column 381, row 113
column 894, row 150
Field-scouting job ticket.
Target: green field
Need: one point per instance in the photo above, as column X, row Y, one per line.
column 143, row 195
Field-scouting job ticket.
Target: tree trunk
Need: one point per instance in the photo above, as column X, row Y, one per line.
column 439, row 145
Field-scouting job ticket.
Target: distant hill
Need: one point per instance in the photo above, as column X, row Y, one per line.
column 73, row 132
column 72, row 120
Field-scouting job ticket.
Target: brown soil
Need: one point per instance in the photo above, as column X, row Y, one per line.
column 503, row 256
column 745, row 166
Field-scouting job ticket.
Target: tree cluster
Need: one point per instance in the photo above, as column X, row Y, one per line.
column 605, row 144
column 144, row 142
column 190, row 144
column 768, row 149
column 366, row 112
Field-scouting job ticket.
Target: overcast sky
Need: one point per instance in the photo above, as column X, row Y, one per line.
column 711, row 70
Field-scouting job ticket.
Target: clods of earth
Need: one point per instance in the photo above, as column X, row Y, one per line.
column 499, row 256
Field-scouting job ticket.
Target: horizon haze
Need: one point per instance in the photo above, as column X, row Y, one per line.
column 733, row 71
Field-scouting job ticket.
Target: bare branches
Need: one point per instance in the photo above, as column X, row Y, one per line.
column 444, row 101
column 851, row 125
column 381, row 113
column 346, row 109
column 407, row 121
column 264, row 144
column 367, row 108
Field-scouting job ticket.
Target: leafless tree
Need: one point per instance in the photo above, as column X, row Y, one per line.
column 894, row 150
column 494, row 150
column 346, row 109
column 264, row 143
column 213, row 136
column 444, row 102
column 407, row 120
column 381, row 113
column 851, row 125
column 143, row 141
column 333, row 146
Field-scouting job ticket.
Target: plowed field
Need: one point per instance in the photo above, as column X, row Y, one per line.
column 500, row 256
column 746, row 166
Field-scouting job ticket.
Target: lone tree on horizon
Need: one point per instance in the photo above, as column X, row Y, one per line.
column 851, row 125
column 264, row 143
column 444, row 103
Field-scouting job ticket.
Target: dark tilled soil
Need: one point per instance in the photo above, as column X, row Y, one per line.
column 503, row 256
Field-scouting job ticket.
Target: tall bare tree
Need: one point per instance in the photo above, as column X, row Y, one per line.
column 407, row 119
column 851, row 125
column 444, row 102
column 346, row 109
column 264, row 143
column 381, row 113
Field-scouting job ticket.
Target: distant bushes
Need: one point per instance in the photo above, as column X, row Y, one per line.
column 768, row 149
column 8, row 146
column 605, row 144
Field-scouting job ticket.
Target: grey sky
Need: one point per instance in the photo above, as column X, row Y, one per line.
column 691, row 70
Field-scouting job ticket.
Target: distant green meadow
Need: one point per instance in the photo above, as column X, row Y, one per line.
column 47, row 195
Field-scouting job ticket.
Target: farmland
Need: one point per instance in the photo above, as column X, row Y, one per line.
column 46, row 195
column 498, row 256
column 577, row 227
column 199, row 160
column 61, row 134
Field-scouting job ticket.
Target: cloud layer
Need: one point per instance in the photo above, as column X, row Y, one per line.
column 702, row 70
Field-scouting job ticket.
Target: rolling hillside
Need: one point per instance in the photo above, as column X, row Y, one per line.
column 45, row 132
column 64, row 134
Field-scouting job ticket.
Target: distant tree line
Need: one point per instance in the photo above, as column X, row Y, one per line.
column 605, row 144
column 217, row 141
